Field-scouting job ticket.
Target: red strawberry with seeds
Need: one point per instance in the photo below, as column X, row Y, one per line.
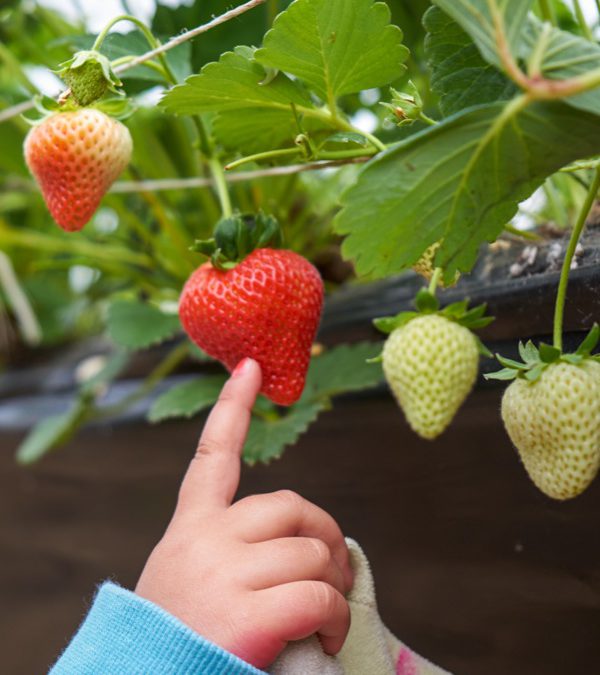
column 75, row 157
column 266, row 307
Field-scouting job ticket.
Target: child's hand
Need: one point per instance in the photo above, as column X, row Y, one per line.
column 254, row 575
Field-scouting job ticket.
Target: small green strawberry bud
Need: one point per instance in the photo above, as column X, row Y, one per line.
column 89, row 76
column 406, row 106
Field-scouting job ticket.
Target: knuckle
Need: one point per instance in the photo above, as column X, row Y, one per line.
column 320, row 552
column 324, row 597
column 208, row 447
column 289, row 499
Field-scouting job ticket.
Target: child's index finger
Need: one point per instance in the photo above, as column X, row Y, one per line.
column 214, row 474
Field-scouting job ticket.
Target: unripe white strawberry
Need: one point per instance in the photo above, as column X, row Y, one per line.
column 431, row 364
column 554, row 422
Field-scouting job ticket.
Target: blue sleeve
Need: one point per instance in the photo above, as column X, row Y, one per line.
column 124, row 634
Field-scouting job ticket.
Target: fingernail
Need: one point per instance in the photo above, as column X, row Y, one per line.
column 242, row 368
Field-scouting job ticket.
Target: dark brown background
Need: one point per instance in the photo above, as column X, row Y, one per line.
column 475, row 569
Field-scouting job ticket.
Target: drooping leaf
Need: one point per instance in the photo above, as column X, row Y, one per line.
column 336, row 47
column 267, row 439
column 342, row 369
column 475, row 17
column 566, row 56
column 137, row 325
column 459, row 182
column 459, row 74
column 187, row 399
column 51, row 433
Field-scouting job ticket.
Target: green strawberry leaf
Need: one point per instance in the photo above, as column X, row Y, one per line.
column 548, row 353
column 251, row 116
column 591, row 341
column 53, row 432
column 566, row 56
column 340, row 370
column 459, row 75
column 426, row 302
column 472, row 189
column 475, row 17
column 267, row 439
column 187, row 399
column 138, row 325
column 336, row 47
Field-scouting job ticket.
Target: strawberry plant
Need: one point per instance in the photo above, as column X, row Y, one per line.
column 403, row 134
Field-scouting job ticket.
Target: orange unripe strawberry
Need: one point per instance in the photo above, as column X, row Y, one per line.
column 75, row 157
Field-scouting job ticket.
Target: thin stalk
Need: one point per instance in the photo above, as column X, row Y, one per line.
column 587, row 31
column 547, row 10
column 30, row 327
column 346, row 126
column 221, row 187
column 435, row 280
column 261, row 156
column 570, row 254
column 172, row 361
column 147, row 33
column 272, row 11
column 522, row 234
column 428, row 120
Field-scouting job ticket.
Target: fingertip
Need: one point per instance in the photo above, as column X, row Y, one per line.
column 248, row 369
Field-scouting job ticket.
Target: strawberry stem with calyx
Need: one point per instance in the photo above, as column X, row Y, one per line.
column 236, row 237
column 152, row 41
column 570, row 254
column 435, row 280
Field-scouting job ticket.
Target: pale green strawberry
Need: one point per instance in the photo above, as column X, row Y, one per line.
column 431, row 365
column 431, row 360
column 552, row 415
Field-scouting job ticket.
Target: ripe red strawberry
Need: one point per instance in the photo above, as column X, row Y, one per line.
column 267, row 307
column 75, row 157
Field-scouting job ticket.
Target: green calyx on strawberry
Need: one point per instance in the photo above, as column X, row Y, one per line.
column 537, row 359
column 431, row 360
column 255, row 300
column 89, row 76
column 551, row 412
column 236, row 237
column 428, row 304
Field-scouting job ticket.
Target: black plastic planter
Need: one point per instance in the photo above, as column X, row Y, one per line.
column 475, row 568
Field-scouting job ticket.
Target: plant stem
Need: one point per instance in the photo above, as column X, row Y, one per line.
column 172, row 361
column 152, row 41
column 435, row 280
column 428, row 120
column 564, row 277
column 522, row 234
column 272, row 11
column 221, row 186
column 30, row 327
column 547, row 10
column 587, row 31
column 348, row 127
column 260, row 156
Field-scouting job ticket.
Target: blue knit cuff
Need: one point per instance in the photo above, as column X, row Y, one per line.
column 124, row 634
